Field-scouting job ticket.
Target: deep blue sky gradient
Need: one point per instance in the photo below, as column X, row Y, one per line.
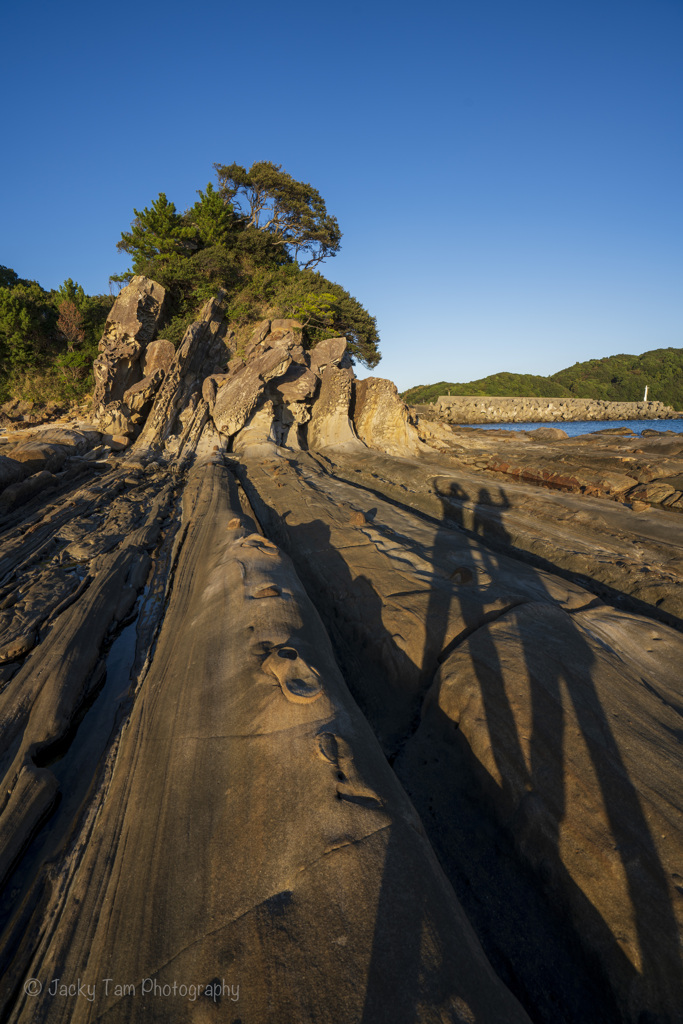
column 507, row 173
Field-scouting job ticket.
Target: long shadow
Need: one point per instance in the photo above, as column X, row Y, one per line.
column 557, row 658
column 516, row 904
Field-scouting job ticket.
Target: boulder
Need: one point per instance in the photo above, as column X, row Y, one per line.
column 656, row 492
column 237, row 396
column 130, row 327
column 547, row 434
column 331, row 352
column 330, row 423
column 298, row 384
column 157, row 356
column 140, row 395
column 116, row 418
column 381, row 417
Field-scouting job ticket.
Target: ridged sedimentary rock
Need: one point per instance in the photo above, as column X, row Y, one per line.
column 252, row 830
column 539, row 692
column 431, row 761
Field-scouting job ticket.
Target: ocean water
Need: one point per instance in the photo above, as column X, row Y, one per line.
column 587, row 426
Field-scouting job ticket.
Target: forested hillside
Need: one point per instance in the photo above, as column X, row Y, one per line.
column 620, row 378
column 258, row 235
column 48, row 339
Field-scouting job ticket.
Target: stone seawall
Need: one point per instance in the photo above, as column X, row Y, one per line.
column 489, row 409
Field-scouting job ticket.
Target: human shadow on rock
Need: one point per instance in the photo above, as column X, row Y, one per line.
column 536, row 649
column 529, row 944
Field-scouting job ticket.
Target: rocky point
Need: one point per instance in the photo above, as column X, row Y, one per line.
column 328, row 709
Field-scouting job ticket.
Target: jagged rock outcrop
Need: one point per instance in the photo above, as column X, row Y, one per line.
column 158, row 355
column 330, row 423
column 130, row 326
column 332, row 352
column 381, row 418
column 364, row 721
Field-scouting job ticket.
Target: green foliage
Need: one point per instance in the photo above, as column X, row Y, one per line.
column 246, row 238
column 156, row 233
column 27, row 319
column 212, row 217
column 324, row 308
column 620, row 378
column 48, row 340
column 292, row 212
column 8, row 277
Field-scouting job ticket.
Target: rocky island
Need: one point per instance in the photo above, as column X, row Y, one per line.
column 312, row 710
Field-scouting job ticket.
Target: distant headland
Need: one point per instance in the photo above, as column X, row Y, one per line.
column 619, row 378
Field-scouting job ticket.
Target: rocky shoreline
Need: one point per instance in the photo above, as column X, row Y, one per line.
column 473, row 409
column 377, row 719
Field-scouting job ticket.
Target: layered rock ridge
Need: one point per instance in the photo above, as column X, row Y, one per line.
column 304, row 708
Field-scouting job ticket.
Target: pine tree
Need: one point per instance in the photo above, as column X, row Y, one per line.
column 213, row 217
column 157, row 232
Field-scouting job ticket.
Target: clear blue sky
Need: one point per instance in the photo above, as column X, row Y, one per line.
column 507, row 173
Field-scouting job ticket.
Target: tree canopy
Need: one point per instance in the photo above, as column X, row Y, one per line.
column 48, row 339
column 159, row 231
column 257, row 236
column 294, row 213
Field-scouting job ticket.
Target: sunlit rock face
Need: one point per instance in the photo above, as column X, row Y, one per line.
column 316, row 710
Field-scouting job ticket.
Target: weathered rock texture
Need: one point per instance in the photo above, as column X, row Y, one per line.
column 381, row 418
column 130, row 326
column 473, row 409
column 311, row 715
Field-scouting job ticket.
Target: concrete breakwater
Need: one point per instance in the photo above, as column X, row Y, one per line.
column 491, row 409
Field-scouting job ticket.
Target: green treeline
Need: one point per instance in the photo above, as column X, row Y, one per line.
column 259, row 235
column 620, row 378
column 48, row 339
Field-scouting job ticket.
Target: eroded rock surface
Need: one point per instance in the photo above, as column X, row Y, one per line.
column 352, row 716
column 130, row 326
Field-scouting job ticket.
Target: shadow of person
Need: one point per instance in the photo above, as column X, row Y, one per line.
column 536, row 674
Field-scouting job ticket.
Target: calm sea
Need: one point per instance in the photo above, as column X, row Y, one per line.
column 588, row 426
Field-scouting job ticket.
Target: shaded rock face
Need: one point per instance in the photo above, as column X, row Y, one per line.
column 299, row 696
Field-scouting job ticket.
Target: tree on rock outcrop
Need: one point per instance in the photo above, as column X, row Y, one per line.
column 255, row 237
column 156, row 232
column 294, row 213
